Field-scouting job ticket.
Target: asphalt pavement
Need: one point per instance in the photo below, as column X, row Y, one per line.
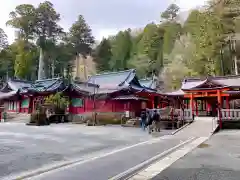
column 216, row 159
column 109, row 166
column 25, row 148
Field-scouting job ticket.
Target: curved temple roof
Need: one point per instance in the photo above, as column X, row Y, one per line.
column 15, row 85
column 148, row 83
column 105, row 83
column 114, row 79
column 219, row 81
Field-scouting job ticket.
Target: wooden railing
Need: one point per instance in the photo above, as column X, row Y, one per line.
column 182, row 115
column 231, row 114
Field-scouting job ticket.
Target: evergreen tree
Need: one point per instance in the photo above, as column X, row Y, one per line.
column 80, row 37
column 103, row 55
column 121, row 50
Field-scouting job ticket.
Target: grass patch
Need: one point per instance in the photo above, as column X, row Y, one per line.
column 203, row 145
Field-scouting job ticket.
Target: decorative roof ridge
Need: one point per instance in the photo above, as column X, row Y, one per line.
column 226, row 77
column 113, row 72
column 19, row 80
column 191, row 79
column 51, row 85
column 50, row 79
column 130, row 72
column 146, row 79
column 85, row 83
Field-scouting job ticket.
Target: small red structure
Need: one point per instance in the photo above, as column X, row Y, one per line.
column 20, row 96
column 210, row 96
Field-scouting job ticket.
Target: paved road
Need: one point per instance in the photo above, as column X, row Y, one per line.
column 114, row 164
column 219, row 159
column 24, row 148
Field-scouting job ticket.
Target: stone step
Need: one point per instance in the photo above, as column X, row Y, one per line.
column 132, row 122
column 12, row 116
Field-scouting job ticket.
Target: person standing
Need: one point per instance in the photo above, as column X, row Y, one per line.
column 149, row 123
column 156, row 120
column 143, row 120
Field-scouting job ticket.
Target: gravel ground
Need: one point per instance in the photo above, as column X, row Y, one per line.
column 24, row 147
column 217, row 159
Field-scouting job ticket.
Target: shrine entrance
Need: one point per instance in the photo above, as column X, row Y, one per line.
column 205, row 106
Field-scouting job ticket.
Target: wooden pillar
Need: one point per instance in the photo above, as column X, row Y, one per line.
column 208, row 107
column 153, row 103
column 228, row 106
column 196, row 106
column 192, row 103
column 219, row 98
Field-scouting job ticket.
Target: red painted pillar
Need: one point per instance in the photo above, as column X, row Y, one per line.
column 219, row 98
column 196, row 106
column 208, row 107
column 228, row 106
column 192, row 103
column 153, row 103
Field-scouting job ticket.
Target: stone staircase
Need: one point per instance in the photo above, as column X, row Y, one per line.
column 132, row 123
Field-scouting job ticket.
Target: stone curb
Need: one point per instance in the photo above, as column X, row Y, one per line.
column 157, row 167
column 179, row 129
column 134, row 170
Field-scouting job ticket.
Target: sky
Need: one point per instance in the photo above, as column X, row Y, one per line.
column 105, row 17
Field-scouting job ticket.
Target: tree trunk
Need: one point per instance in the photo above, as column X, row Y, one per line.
column 41, row 66
column 53, row 68
column 235, row 58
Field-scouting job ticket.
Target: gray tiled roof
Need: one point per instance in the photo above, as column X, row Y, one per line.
column 190, row 84
column 47, row 85
column 84, row 87
column 179, row 92
column 15, row 84
column 113, row 79
column 129, row 97
column 7, row 94
column 149, row 83
column 229, row 81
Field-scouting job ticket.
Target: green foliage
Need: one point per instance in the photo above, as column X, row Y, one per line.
column 180, row 63
column 57, row 100
column 3, row 39
column 46, row 23
column 24, row 59
column 172, row 32
column 80, row 36
column 141, row 63
column 56, row 49
column 171, row 12
column 121, row 50
column 103, row 55
column 38, row 119
column 23, row 19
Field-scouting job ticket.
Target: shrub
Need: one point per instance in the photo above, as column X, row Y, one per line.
column 57, row 100
column 38, row 119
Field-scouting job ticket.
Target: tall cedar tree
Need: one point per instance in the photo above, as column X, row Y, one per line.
column 80, row 37
column 103, row 55
column 121, row 50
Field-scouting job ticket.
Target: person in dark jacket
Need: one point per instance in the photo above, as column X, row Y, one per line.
column 143, row 120
column 156, row 120
column 149, row 122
